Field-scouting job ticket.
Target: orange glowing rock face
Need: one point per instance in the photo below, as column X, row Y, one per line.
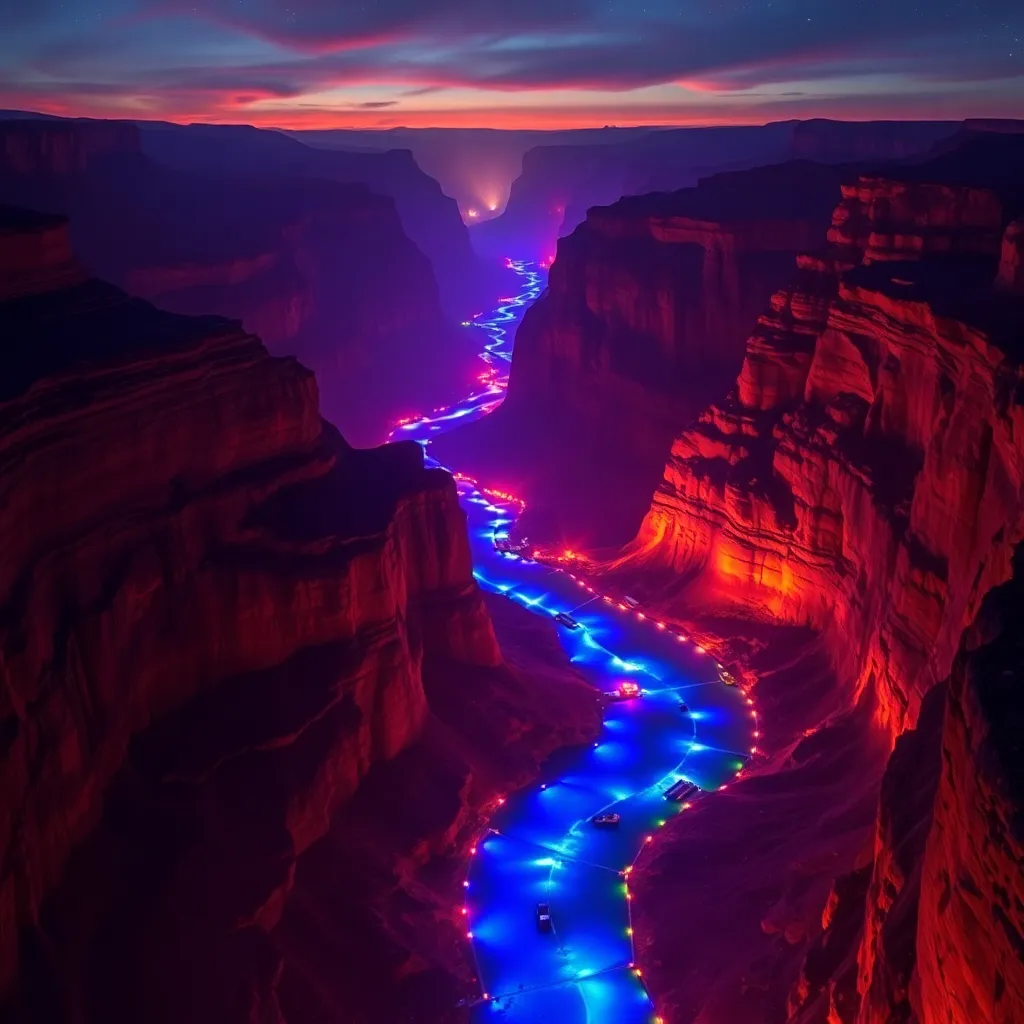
column 851, row 480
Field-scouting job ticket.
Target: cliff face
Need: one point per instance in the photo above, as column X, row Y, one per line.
column 864, row 479
column 558, row 184
column 320, row 269
column 219, row 622
column 970, row 933
column 429, row 217
column 65, row 147
column 647, row 308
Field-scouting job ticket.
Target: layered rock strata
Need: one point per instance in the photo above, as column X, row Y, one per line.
column 219, row 624
column 863, row 475
column 863, row 479
column 643, row 322
column 320, row 269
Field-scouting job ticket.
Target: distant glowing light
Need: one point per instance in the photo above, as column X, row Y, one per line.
column 472, row 215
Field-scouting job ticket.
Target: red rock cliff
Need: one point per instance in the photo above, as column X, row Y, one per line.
column 864, row 478
column 644, row 320
column 320, row 269
column 970, row 933
column 217, row 623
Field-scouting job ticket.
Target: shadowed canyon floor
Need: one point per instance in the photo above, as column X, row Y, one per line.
column 541, row 845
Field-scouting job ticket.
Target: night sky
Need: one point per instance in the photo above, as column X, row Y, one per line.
column 512, row 63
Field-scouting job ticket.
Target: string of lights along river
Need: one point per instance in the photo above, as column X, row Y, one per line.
column 543, row 851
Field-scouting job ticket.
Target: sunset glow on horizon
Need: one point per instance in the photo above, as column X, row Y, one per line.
column 539, row 64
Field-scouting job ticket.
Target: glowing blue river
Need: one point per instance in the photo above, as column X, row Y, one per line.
column 543, row 846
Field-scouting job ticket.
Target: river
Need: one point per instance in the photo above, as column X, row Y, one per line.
column 543, row 846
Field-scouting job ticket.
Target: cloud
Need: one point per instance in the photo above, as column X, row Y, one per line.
column 223, row 56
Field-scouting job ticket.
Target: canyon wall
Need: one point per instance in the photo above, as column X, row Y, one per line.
column 863, row 476
column 863, row 480
column 644, row 319
column 319, row 269
column 220, row 625
column 429, row 217
column 559, row 183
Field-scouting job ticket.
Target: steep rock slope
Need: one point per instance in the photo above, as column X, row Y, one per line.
column 220, row 622
column 321, row 270
column 863, row 476
column 864, row 479
column 970, row 933
column 559, row 183
column 643, row 322
column 430, row 218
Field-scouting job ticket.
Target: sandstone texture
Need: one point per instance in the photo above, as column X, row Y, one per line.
column 234, row 653
column 862, row 481
column 648, row 305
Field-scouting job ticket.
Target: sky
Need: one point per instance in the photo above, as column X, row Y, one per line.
column 512, row 63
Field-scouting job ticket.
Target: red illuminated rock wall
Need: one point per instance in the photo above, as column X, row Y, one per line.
column 864, row 478
column 970, row 933
column 218, row 620
column 647, row 308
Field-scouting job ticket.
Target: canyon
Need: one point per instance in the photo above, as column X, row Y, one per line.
column 319, row 268
column 254, row 708
column 429, row 217
column 252, row 702
column 559, row 182
column 644, row 321
column 836, row 523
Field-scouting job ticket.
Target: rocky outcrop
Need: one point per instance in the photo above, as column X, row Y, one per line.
column 219, row 623
column 429, row 217
column 320, row 269
column 970, row 931
column 559, row 183
column 643, row 322
column 56, row 146
column 863, row 479
column 35, row 254
column 1011, row 264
